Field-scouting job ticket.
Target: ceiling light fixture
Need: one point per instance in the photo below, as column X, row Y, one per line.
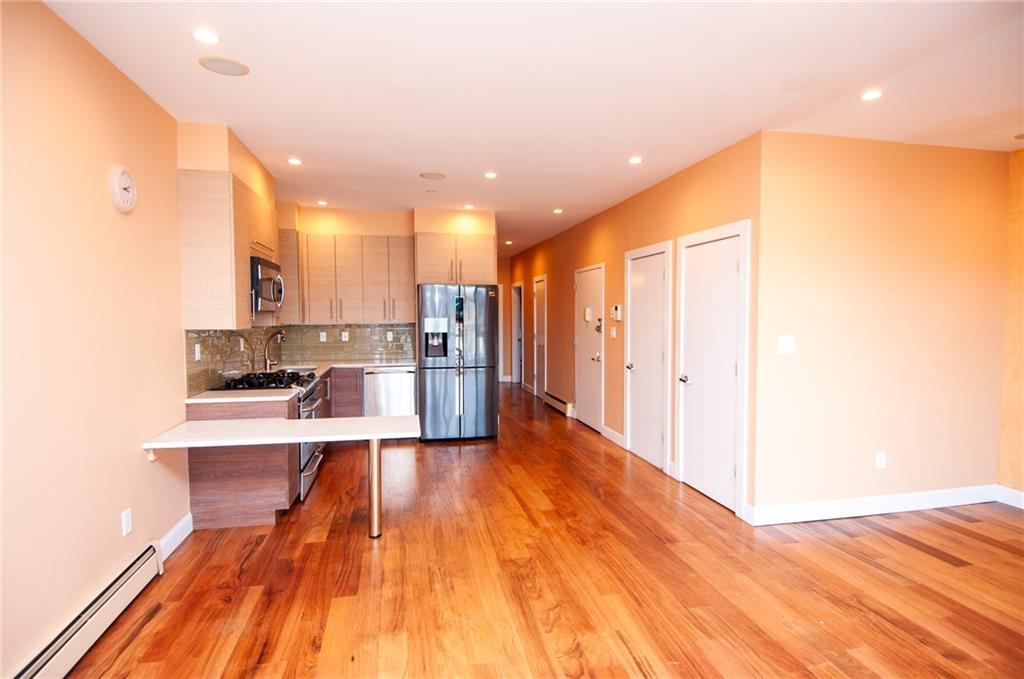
column 491, row 175
column 321, row 203
column 635, row 160
column 294, row 161
column 432, row 175
column 558, row 210
column 1019, row 136
column 870, row 95
column 467, row 206
column 224, row 66
column 205, row 36
column 508, row 242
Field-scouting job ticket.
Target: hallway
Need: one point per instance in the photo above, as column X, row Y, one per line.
column 552, row 552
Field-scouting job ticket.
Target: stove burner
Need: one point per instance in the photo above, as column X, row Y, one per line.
column 282, row 379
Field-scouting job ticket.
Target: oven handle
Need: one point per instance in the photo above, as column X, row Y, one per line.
column 313, row 407
column 313, row 465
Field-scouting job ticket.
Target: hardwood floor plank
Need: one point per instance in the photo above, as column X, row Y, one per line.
column 552, row 552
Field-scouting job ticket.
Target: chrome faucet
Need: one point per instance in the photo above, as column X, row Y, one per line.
column 267, row 363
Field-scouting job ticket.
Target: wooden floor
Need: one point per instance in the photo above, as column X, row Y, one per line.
column 552, row 552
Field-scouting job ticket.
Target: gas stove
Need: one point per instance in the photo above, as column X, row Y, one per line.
column 282, row 379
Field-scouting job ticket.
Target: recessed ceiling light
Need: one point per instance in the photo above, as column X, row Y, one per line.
column 467, row 206
column 294, row 161
column 432, row 175
column 205, row 36
column 558, row 210
column 321, row 203
column 870, row 95
column 431, row 190
column 224, row 66
column 508, row 242
column 635, row 160
column 491, row 175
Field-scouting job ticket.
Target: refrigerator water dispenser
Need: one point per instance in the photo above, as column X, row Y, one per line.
column 435, row 336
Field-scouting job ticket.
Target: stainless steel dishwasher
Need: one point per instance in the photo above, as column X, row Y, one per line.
column 389, row 391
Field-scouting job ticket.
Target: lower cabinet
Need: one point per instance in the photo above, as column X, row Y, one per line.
column 346, row 392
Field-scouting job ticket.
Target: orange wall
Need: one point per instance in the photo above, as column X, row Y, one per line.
column 721, row 189
column 357, row 222
column 1011, row 445
column 886, row 261
column 87, row 290
column 505, row 281
column 435, row 220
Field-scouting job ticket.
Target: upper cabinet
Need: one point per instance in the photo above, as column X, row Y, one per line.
column 256, row 216
column 466, row 258
column 291, row 308
column 218, row 215
column 350, row 272
column 401, row 279
column 319, row 282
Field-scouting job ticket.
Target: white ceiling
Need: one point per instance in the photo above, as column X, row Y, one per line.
column 555, row 96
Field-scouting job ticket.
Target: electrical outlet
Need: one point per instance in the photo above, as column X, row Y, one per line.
column 241, row 344
column 389, row 336
column 881, row 459
column 323, row 335
column 126, row 522
column 344, row 335
column 613, row 332
column 198, row 351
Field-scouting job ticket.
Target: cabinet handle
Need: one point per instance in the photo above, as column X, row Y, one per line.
column 460, row 270
column 392, row 308
column 330, row 309
column 451, row 269
column 385, row 308
column 341, row 308
column 263, row 245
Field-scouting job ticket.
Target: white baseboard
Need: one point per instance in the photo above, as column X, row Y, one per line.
column 570, row 410
column 796, row 512
column 614, row 436
column 527, row 387
column 556, row 404
column 175, row 536
column 1010, row 496
column 505, row 378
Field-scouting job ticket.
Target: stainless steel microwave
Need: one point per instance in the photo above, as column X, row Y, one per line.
column 267, row 285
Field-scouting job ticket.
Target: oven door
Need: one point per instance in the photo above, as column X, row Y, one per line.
column 310, row 454
column 267, row 285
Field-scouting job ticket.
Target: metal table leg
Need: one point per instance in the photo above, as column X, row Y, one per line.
column 374, row 478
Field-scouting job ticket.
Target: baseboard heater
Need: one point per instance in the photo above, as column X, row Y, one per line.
column 61, row 654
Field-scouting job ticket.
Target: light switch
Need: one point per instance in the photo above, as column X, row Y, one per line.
column 588, row 314
column 787, row 345
column 613, row 332
column 344, row 335
column 323, row 335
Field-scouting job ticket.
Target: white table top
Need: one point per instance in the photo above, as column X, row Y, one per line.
column 277, row 430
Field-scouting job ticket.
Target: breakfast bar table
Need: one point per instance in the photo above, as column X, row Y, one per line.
column 276, row 431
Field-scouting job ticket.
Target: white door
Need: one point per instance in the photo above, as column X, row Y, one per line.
column 517, row 334
column 540, row 327
column 645, row 360
column 589, row 401
column 708, row 379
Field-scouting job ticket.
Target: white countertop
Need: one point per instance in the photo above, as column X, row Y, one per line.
column 277, row 430
column 319, row 367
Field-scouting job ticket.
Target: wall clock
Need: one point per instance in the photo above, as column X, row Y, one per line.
column 123, row 191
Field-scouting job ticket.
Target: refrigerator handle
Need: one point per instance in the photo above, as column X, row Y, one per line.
column 459, row 407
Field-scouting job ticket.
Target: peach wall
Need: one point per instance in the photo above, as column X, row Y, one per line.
column 1011, row 445
column 247, row 167
column 721, row 189
column 886, row 261
column 87, row 291
column 203, row 146
column 287, row 216
column 505, row 281
column 435, row 220
column 355, row 222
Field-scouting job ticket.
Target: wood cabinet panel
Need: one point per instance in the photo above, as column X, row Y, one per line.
column 291, row 309
column 320, row 285
column 376, row 298
column 435, row 258
column 346, row 392
column 257, row 217
column 401, row 280
column 477, row 259
column 348, row 252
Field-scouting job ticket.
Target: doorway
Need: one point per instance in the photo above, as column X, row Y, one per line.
column 540, row 327
column 648, row 337
column 588, row 399
column 517, row 331
column 712, row 385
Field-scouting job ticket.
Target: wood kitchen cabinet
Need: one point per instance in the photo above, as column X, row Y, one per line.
column 389, row 287
column 376, row 298
column 350, row 276
column 291, row 309
column 220, row 217
column 319, row 286
column 401, row 279
column 346, row 392
column 466, row 258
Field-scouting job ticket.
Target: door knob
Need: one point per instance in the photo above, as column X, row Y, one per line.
column 629, row 366
column 685, row 379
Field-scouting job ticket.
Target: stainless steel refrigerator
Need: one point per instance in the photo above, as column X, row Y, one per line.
column 458, row 361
